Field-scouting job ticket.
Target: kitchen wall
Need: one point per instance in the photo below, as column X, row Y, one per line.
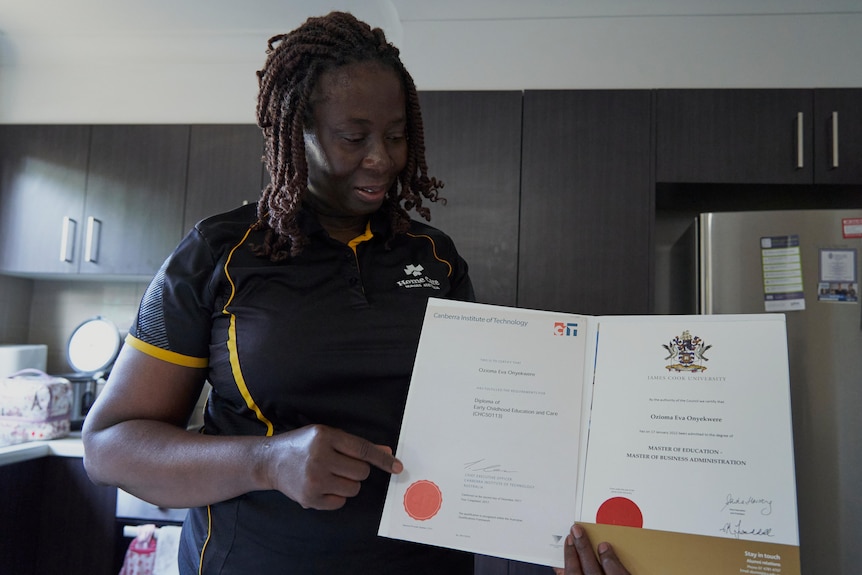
column 48, row 311
column 15, row 297
column 58, row 307
column 167, row 62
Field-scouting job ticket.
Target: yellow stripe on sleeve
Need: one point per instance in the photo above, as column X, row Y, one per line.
column 166, row 355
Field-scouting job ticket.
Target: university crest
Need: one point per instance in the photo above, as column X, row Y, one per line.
column 686, row 353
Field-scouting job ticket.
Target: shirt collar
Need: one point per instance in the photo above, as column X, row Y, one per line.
column 307, row 221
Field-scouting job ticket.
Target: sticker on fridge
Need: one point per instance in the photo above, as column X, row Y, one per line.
column 782, row 273
column 838, row 281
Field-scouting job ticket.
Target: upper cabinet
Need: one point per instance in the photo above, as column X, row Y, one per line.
column 105, row 200
column 43, row 178
column 473, row 144
column 586, row 201
column 550, row 193
column 734, row 136
column 759, row 136
column 838, row 136
column 135, row 196
column 225, row 169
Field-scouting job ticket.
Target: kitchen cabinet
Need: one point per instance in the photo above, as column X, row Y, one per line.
column 744, row 136
column 104, row 200
column 225, row 169
column 43, row 176
column 759, row 136
column 586, row 202
column 135, row 198
column 838, row 136
column 55, row 520
column 473, row 145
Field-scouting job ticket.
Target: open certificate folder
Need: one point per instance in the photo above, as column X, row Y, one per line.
column 669, row 436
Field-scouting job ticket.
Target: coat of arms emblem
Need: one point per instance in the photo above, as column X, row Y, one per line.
column 686, row 353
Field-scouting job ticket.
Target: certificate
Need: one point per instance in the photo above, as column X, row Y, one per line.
column 489, row 439
column 669, row 436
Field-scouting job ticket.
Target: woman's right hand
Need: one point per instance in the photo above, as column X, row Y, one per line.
column 581, row 560
column 135, row 437
column 319, row 467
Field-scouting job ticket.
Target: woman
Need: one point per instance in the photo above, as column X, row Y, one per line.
column 303, row 314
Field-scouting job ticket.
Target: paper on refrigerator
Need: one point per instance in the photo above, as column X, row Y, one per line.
column 680, row 450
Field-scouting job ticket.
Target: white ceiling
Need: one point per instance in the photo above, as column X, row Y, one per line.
column 45, row 18
column 56, row 29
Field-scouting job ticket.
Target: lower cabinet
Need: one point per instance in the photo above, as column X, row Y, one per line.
column 55, row 520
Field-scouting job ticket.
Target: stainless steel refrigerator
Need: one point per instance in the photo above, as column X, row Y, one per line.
column 804, row 264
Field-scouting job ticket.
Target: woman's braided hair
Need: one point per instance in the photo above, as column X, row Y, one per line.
column 293, row 67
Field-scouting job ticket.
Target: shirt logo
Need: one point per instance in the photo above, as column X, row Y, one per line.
column 415, row 271
column 416, row 279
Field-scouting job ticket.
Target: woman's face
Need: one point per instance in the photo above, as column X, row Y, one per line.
column 357, row 145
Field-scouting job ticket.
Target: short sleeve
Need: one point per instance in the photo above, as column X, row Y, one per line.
column 174, row 320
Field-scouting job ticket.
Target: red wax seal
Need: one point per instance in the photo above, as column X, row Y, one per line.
column 422, row 500
column 620, row 511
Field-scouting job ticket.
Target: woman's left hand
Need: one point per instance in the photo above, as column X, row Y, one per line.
column 581, row 560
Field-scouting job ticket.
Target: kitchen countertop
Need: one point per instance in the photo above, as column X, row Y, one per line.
column 69, row 446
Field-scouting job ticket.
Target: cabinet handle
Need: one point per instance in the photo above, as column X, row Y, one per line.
column 800, row 136
column 94, row 231
column 67, row 239
column 834, row 140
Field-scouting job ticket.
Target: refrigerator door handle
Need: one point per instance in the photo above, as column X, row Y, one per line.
column 800, row 137
column 834, row 140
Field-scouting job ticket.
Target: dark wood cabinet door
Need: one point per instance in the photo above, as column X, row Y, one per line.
column 43, row 174
column 225, row 169
column 722, row 136
column 473, row 144
column 838, row 136
column 133, row 215
column 77, row 531
column 586, row 202
column 55, row 520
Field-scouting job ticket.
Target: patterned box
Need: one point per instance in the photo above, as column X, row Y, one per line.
column 34, row 406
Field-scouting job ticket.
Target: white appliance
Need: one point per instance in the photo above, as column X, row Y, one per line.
column 14, row 358
column 91, row 351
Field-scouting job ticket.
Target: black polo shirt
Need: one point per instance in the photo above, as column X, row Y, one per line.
column 326, row 337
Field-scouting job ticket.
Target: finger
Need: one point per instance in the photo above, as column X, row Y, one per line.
column 588, row 562
column 338, row 488
column 362, row 449
column 570, row 557
column 610, row 562
column 325, row 503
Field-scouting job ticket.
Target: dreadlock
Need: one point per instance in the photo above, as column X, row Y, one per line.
column 294, row 64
